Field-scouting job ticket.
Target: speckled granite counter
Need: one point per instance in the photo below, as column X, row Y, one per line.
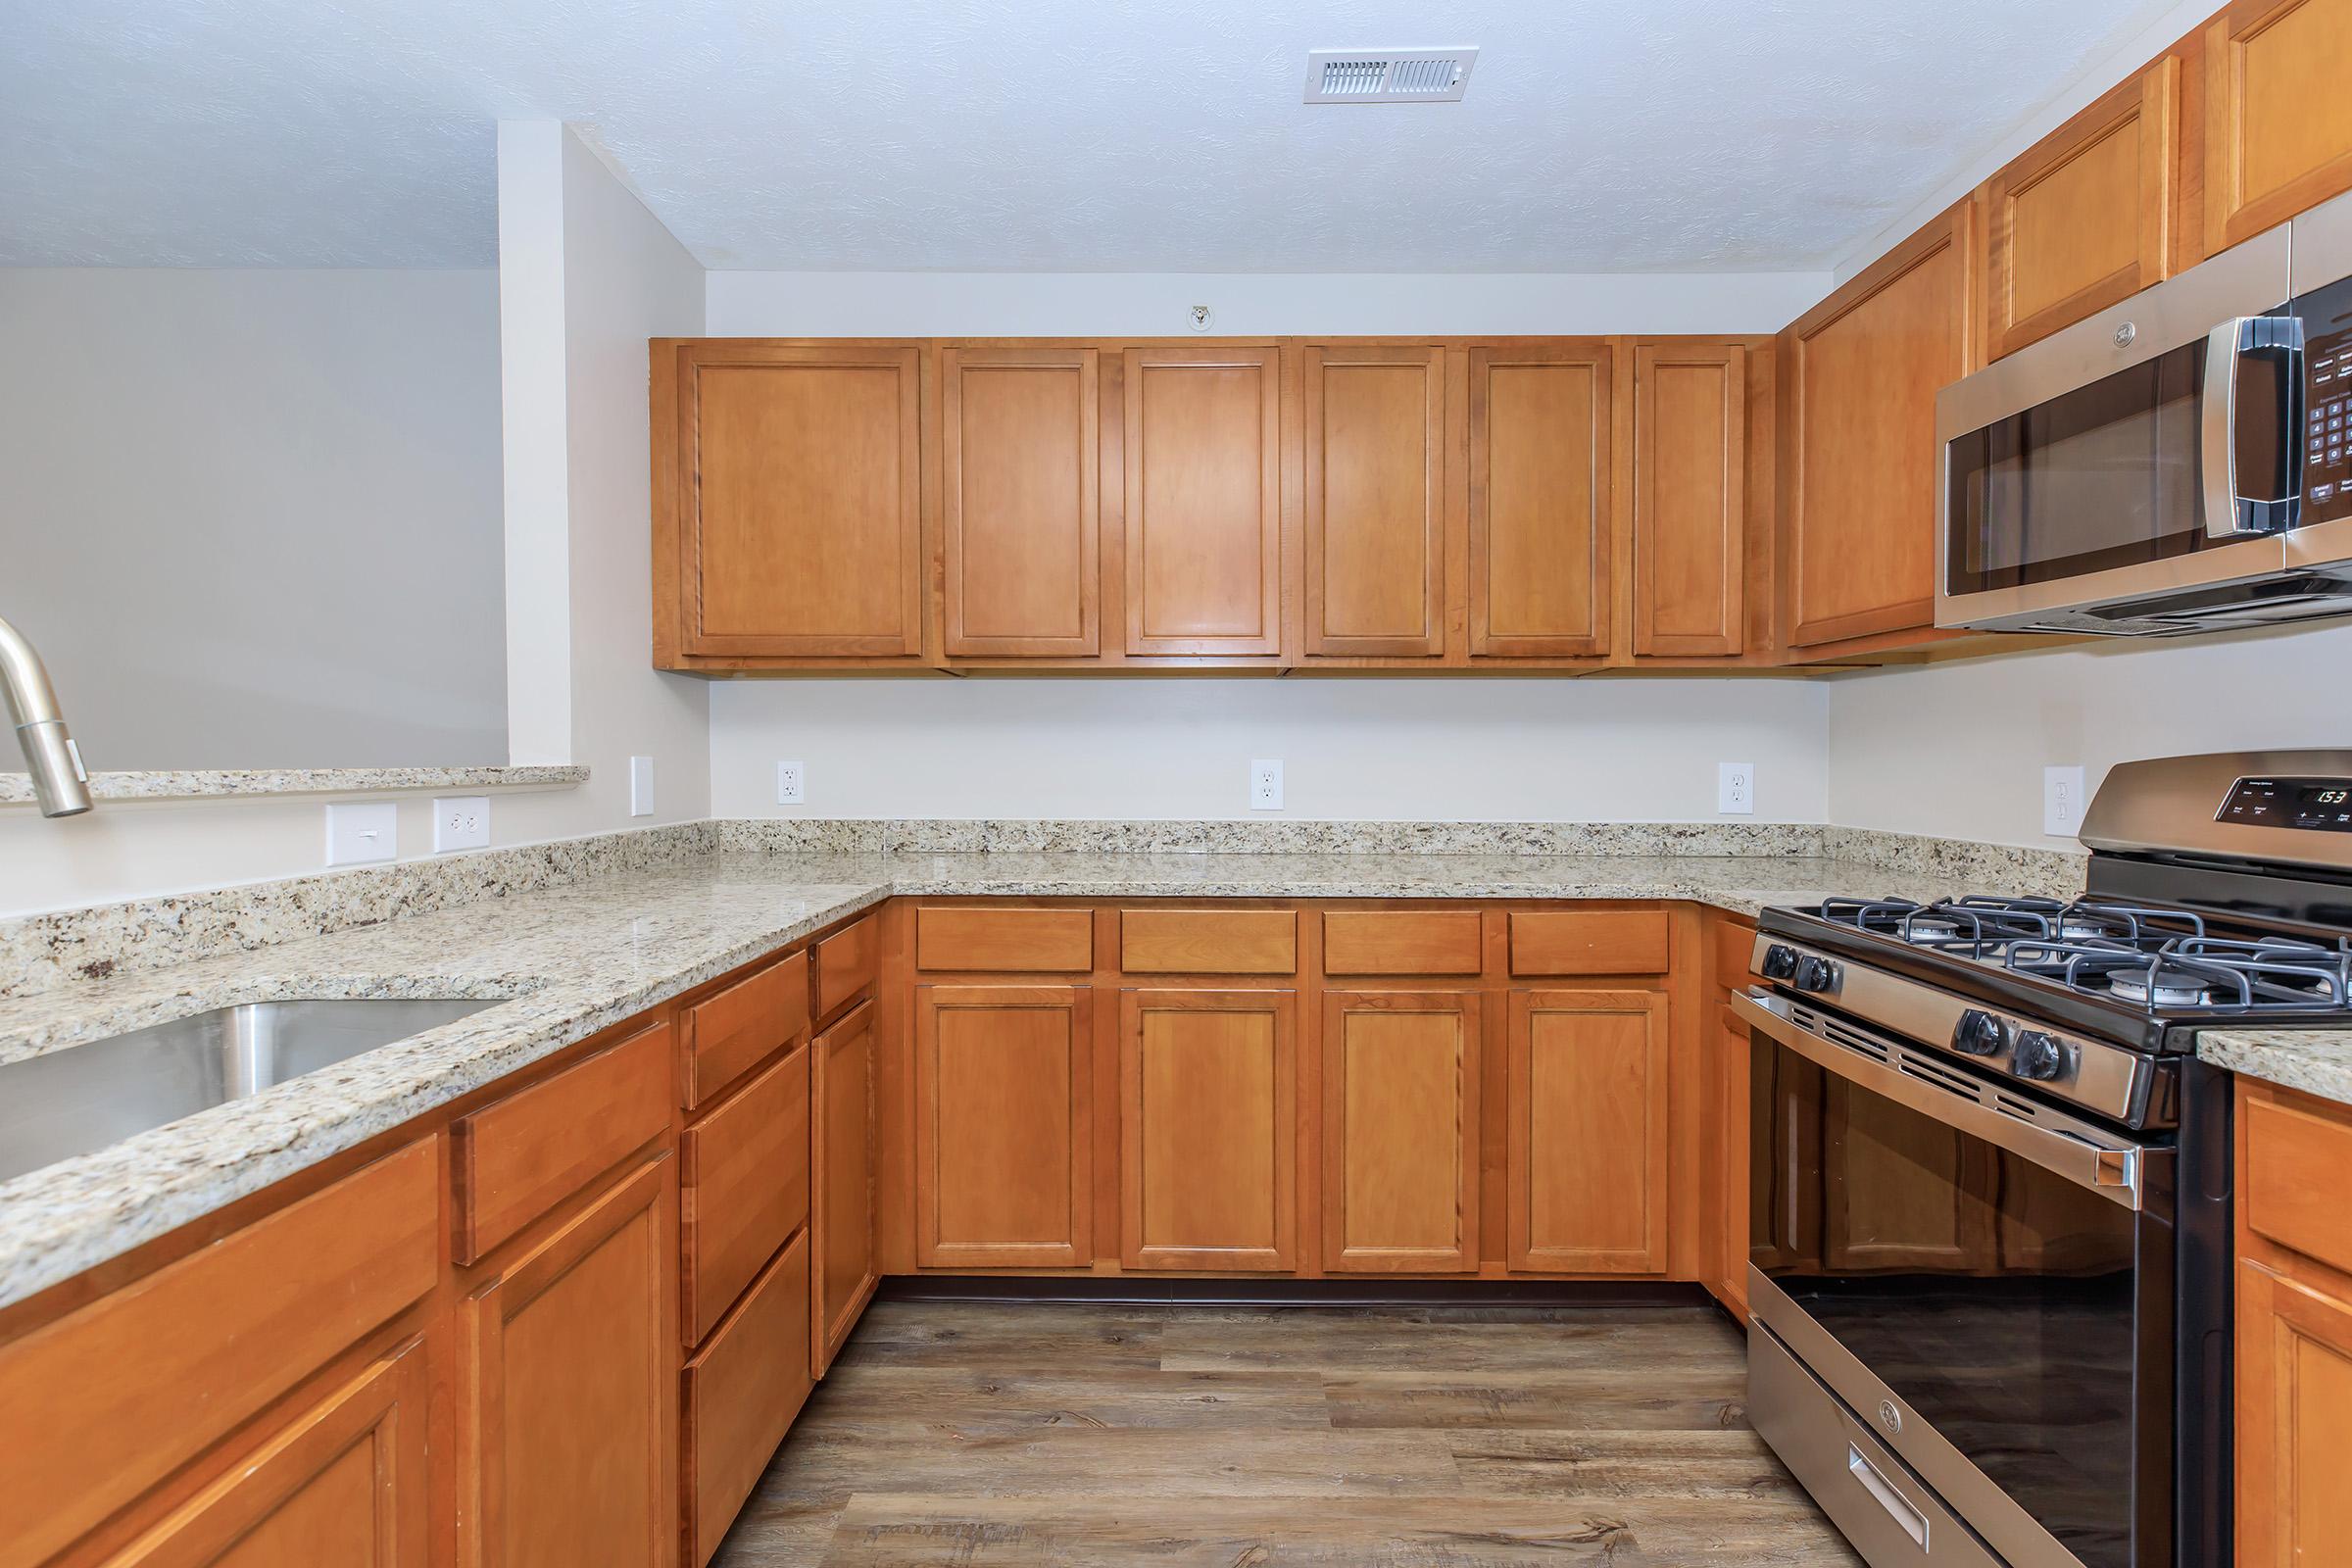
column 577, row 958
column 2318, row 1061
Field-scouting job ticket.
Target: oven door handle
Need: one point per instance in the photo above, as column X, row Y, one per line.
column 2112, row 1168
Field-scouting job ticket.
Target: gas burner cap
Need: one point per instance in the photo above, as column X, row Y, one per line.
column 2147, row 986
column 1930, row 928
column 2083, row 928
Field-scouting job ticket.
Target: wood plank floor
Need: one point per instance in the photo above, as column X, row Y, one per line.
column 1058, row 1436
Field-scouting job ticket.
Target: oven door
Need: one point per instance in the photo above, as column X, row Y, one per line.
column 1983, row 1281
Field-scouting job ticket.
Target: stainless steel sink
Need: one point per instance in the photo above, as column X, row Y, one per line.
column 86, row 1096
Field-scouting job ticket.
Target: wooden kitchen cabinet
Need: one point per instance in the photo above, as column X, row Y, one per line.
column 1208, row 1084
column 1861, row 372
column 1540, row 488
column 2278, row 119
column 1585, row 1146
column 1003, row 1086
column 843, row 1267
column 1401, row 1131
column 740, row 1395
column 1374, row 452
column 1021, row 502
column 788, row 494
column 1689, row 525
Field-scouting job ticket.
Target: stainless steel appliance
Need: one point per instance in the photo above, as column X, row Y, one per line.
column 2176, row 464
column 1991, row 1248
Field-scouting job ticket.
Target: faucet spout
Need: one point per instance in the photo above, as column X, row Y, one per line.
column 59, row 779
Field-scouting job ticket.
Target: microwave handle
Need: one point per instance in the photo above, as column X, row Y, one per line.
column 2229, row 515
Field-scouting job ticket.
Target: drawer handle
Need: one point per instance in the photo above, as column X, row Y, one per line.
column 1913, row 1521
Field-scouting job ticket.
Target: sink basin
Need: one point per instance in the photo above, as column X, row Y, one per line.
column 86, row 1096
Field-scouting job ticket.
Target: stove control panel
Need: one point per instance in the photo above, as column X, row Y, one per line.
column 2309, row 804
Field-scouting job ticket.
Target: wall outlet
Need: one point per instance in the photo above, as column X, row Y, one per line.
column 362, row 832
column 641, row 786
column 1265, row 785
column 791, row 784
column 2062, row 801
column 461, row 823
column 1735, row 788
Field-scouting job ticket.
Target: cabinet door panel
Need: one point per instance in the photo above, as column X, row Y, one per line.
column 1204, row 490
column 742, row 1190
column 2294, row 1421
column 1375, row 502
column 1208, row 1095
column 2279, row 123
column 1586, row 1150
column 1003, row 1126
column 801, row 488
column 1022, row 506
column 741, row 1394
column 845, row 1269
column 1400, row 1079
column 1690, row 498
column 1540, row 483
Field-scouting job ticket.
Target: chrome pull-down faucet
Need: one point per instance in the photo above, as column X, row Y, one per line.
column 58, row 778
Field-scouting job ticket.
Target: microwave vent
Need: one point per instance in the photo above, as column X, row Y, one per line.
column 1388, row 76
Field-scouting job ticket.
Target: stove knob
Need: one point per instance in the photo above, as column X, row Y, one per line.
column 1779, row 962
column 1978, row 1034
column 1815, row 974
column 2039, row 1057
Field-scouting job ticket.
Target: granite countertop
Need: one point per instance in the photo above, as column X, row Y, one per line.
column 2318, row 1061
column 574, row 960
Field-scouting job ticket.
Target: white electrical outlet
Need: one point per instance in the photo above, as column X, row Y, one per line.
column 362, row 832
column 1735, row 788
column 641, row 786
column 2062, row 801
column 461, row 823
column 1265, row 785
column 791, row 784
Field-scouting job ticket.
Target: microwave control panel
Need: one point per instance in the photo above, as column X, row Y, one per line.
column 2326, row 402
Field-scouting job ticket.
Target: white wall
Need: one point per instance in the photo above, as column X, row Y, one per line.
column 250, row 517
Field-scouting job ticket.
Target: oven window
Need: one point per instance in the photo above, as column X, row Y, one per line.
column 1994, row 1296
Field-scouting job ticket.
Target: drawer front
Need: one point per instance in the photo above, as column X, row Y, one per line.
column 741, row 1394
column 1209, row 941
column 1004, row 941
column 1735, row 947
column 743, row 1189
column 516, row 1159
column 731, row 1033
column 2296, row 1156
column 1589, row 941
column 1402, row 942
column 138, row 1382
column 845, row 964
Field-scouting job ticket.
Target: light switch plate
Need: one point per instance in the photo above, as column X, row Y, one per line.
column 461, row 823
column 791, row 784
column 641, row 786
column 1265, row 784
column 362, row 832
column 1735, row 788
column 2062, row 801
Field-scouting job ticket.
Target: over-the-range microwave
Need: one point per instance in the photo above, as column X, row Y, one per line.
column 2176, row 464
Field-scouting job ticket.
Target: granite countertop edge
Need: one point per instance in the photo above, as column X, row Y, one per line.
column 2316, row 1061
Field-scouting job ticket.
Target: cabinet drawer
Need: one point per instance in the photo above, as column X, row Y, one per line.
column 845, row 964
column 1006, row 941
column 517, row 1158
column 2296, row 1156
column 1400, row 942
column 130, row 1387
column 743, row 1189
column 742, row 1394
column 1589, row 941
column 1209, row 941
column 1734, row 948
column 731, row 1033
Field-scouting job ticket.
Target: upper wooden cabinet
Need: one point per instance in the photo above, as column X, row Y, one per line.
column 1203, row 537
column 1540, row 504
column 2277, row 117
column 1374, row 451
column 1689, row 498
column 1861, row 370
column 788, row 501
column 2083, row 218
column 1020, row 500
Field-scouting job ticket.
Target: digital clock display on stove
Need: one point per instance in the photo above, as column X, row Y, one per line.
column 2314, row 805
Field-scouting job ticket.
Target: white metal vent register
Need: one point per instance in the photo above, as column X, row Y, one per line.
column 1388, row 76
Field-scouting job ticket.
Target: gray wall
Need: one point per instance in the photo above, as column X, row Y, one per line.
column 251, row 518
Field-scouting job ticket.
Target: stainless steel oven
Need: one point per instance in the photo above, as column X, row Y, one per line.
column 2176, row 464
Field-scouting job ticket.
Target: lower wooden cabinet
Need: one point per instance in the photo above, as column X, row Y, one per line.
column 2294, row 1421
column 1004, row 1095
column 1401, row 1131
column 1586, row 1147
column 845, row 1267
column 1208, row 1084
column 741, row 1393
column 566, row 1402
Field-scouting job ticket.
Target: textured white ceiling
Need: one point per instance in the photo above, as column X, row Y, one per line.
column 1598, row 136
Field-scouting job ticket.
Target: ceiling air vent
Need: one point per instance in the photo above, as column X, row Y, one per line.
column 1388, row 76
